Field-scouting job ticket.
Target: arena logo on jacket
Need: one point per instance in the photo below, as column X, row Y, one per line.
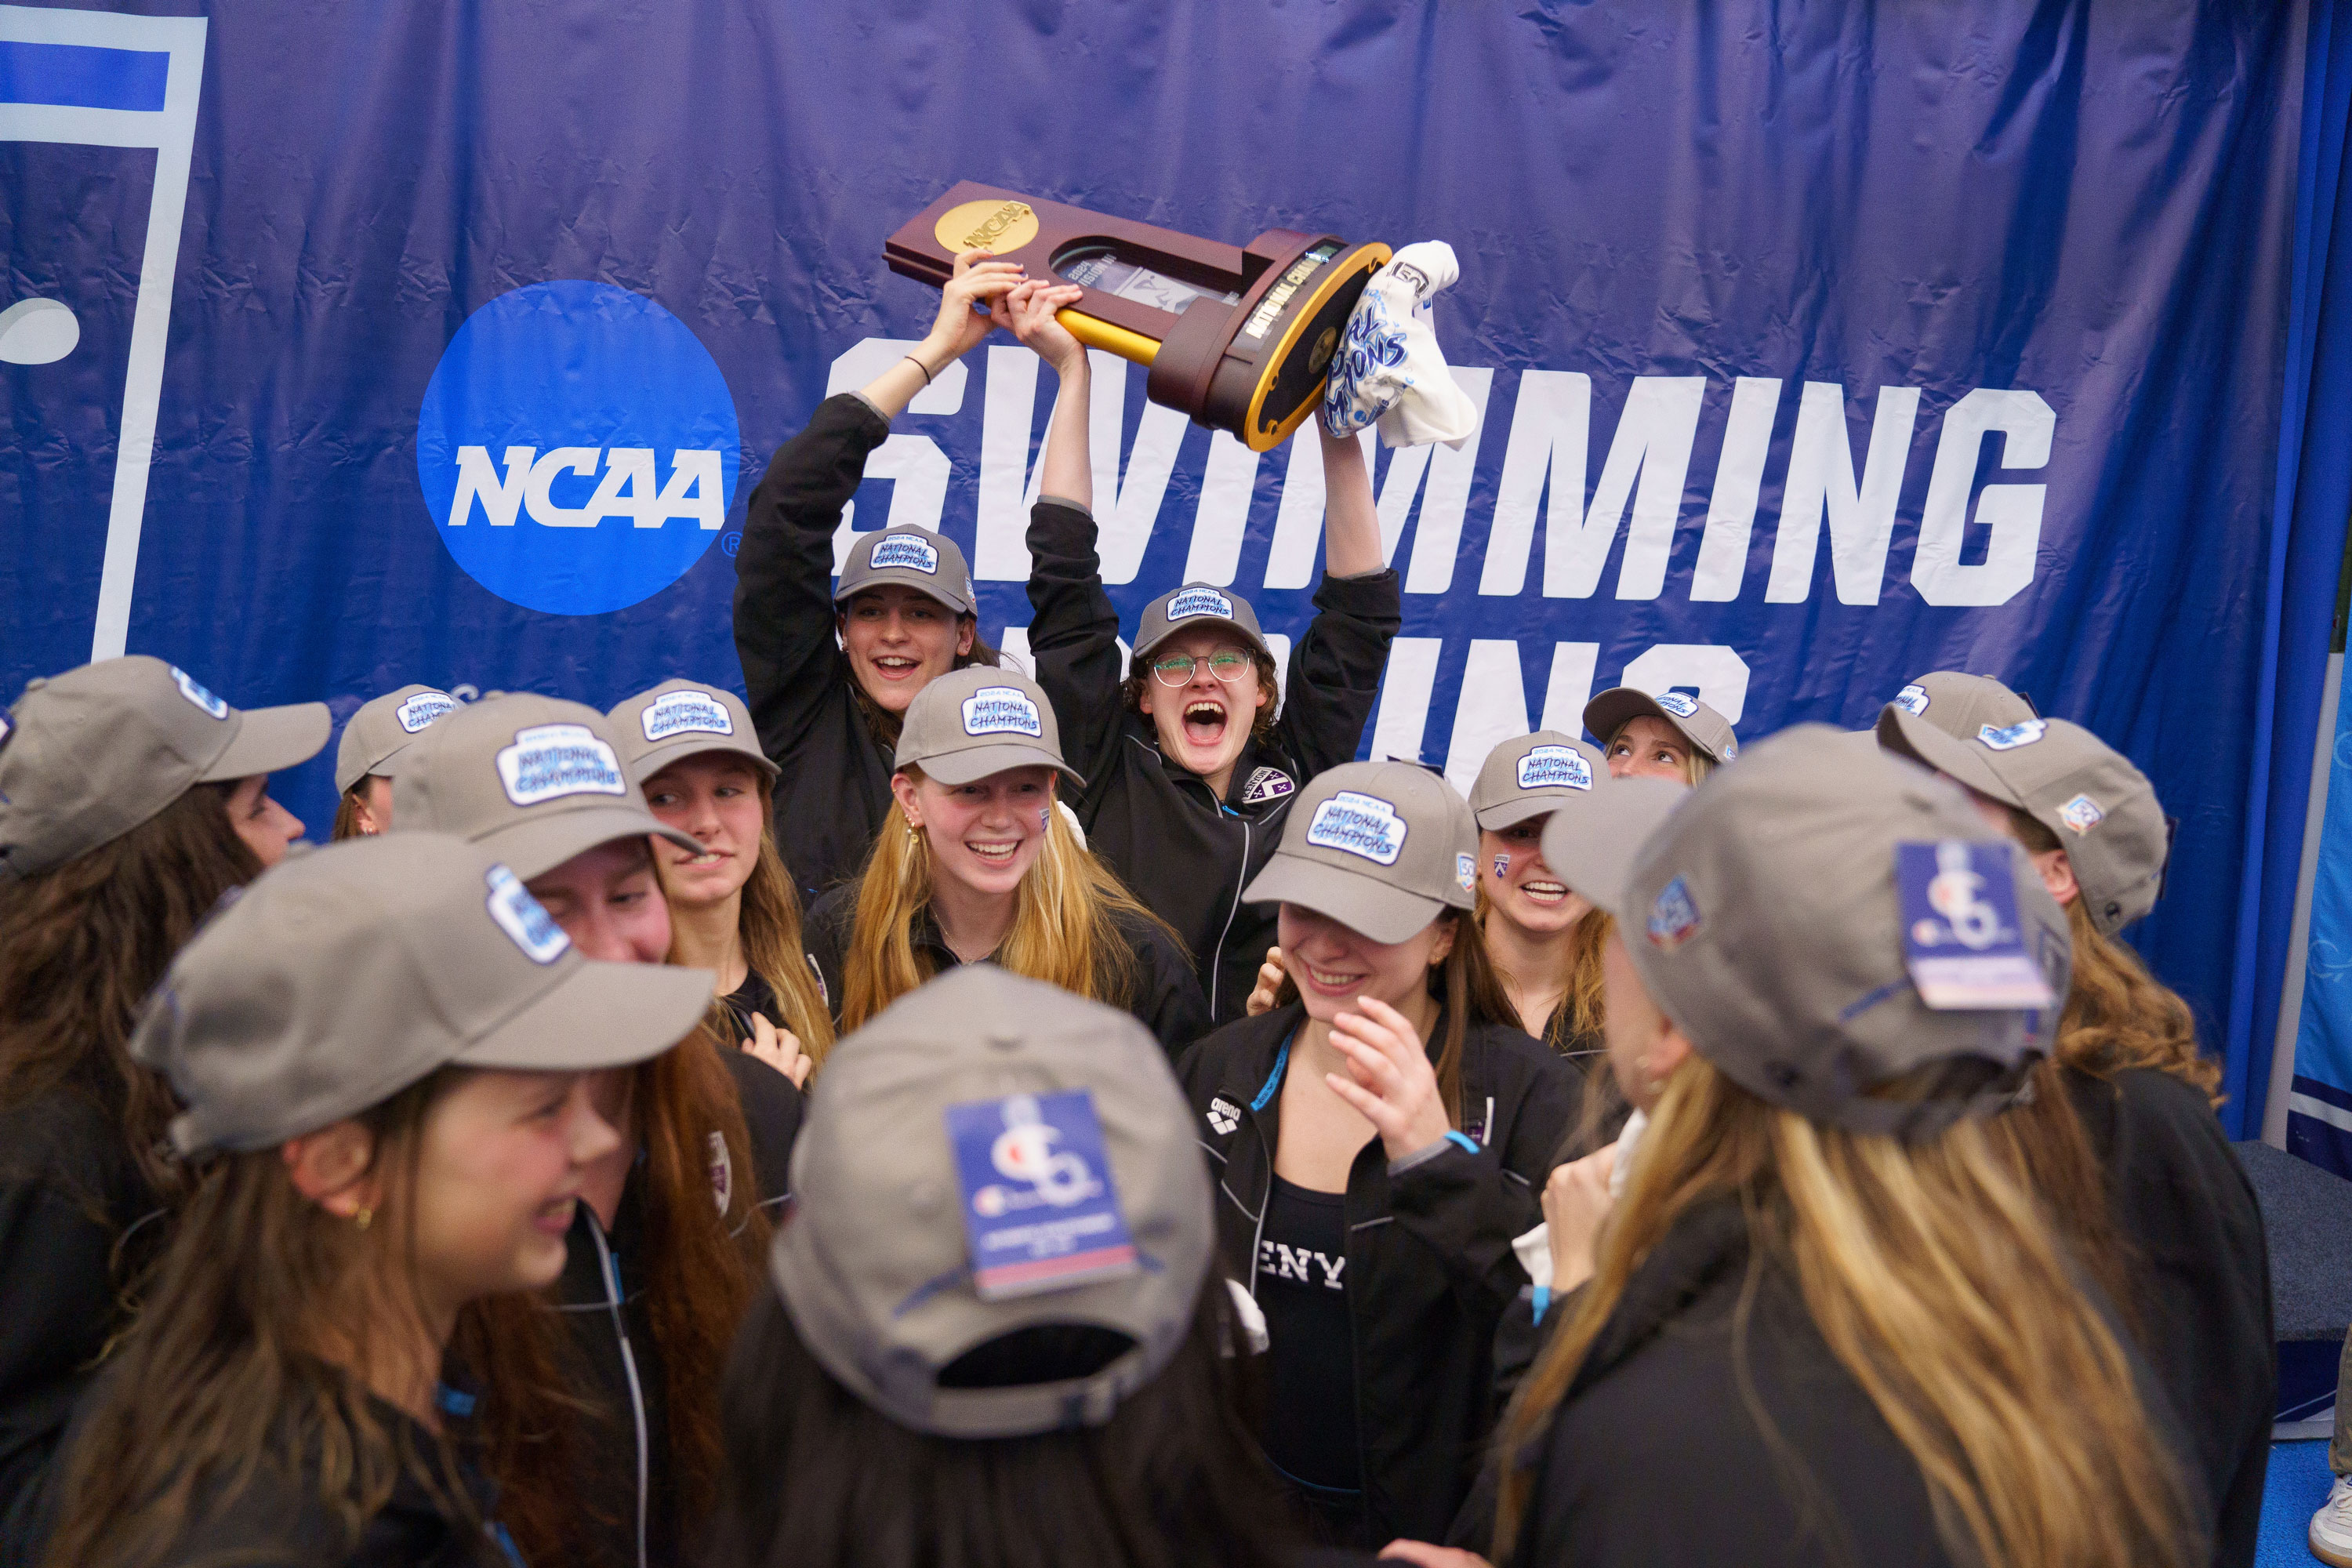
column 577, row 448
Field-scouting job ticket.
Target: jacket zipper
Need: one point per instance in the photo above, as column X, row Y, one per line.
column 1217, row 959
column 628, row 1364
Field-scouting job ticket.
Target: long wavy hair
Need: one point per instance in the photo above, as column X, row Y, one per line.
column 82, row 945
column 2117, row 1015
column 1935, row 1277
column 1065, row 931
column 250, row 1369
column 703, row 1263
column 769, row 927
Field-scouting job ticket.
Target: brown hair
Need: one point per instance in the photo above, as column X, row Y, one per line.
column 885, row 725
column 1697, row 764
column 248, row 1367
column 1933, row 1274
column 2117, row 1016
column 83, row 944
column 1065, row 924
column 1139, row 677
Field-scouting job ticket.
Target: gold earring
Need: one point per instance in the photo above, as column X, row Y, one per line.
column 365, row 1217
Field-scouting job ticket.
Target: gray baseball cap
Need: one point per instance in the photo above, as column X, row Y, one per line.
column 1197, row 604
column 979, row 720
column 1534, row 774
column 680, row 719
column 1701, row 725
column 928, row 563
column 347, row 973
column 383, row 729
column 1960, row 704
column 534, row 780
column 1593, row 847
column 924, row 1225
column 1768, row 916
column 2083, row 789
column 1381, row 848
column 92, row 754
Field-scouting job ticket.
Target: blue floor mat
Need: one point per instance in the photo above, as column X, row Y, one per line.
column 2296, row 1487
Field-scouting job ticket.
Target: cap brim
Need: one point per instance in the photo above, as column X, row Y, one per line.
column 537, row 845
column 1518, row 809
column 1960, row 761
column 1606, row 713
column 1190, row 623
column 1361, row 904
column 986, row 761
column 599, row 1016
column 889, row 575
column 1592, row 849
column 644, row 767
column 269, row 738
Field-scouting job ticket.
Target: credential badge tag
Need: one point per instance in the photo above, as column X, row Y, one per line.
column 1040, row 1210
column 1961, row 939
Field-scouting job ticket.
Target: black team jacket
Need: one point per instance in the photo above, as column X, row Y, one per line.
column 1186, row 853
column 1430, row 1266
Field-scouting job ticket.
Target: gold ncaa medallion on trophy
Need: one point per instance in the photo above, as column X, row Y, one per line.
column 1236, row 336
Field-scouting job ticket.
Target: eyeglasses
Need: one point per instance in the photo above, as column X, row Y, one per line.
column 1226, row 664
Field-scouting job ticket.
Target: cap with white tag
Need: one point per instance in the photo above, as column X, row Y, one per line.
column 384, row 728
column 1193, row 605
column 1818, row 933
column 976, row 721
column 1696, row 722
column 535, row 780
column 992, row 1155
column 2101, row 809
column 1532, row 775
column 680, row 718
column 1960, row 705
column 1381, row 848
column 930, row 563
column 347, row 973
column 92, row 754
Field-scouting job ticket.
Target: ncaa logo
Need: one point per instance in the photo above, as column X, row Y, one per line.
column 577, row 448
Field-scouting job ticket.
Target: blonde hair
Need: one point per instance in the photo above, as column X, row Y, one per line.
column 1065, row 930
column 1578, row 1017
column 1934, row 1275
column 1697, row 764
column 769, row 927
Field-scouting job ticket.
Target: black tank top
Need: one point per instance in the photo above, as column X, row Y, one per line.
column 1310, row 1429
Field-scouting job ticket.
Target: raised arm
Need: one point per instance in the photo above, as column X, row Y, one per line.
column 1336, row 668
column 1351, row 524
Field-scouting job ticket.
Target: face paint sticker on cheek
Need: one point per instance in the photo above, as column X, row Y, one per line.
column 1044, row 818
column 1502, row 867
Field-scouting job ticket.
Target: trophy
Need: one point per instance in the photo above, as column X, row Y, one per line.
column 1236, row 336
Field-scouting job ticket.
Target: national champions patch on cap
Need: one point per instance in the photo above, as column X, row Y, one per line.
column 549, row 761
column 524, row 918
column 906, row 552
column 422, row 709
column 682, row 714
column 1913, row 699
column 1002, row 710
column 1200, row 602
column 1555, row 767
column 196, row 694
column 1361, row 825
column 1676, row 703
column 2023, row 733
column 1961, row 939
column 1040, row 1210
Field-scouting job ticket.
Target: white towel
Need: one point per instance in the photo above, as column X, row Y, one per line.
column 1389, row 368
column 1533, row 1248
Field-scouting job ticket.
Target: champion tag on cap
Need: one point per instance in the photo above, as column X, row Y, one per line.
column 199, row 695
column 1555, row 767
column 723, row 1172
column 1960, row 933
column 549, row 761
column 524, row 918
column 1200, row 602
column 1267, row 783
column 2023, row 733
column 2082, row 813
column 423, row 709
column 1002, row 710
column 682, row 714
column 1673, row 916
column 822, row 994
column 1040, row 1212
column 1466, row 873
column 1676, row 703
column 1913, row 699
column 904, row 550
column 1360, row 825
column 1224, row 1116
column 1730, row 749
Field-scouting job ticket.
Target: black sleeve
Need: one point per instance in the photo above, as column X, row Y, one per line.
column 56, row 1276
column 1465, row 1206
column 1335, row 668
column 1074, row 637
column 1169, row 999
column 771, row 1114
column 784, row 571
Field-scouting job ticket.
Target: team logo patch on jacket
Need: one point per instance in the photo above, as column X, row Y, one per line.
column 1224, row 1116
column 1554, row 767
column 423, row 709
column 1265, row 784
column 1002, row 710
column 2023, row 733
column 904, row 550
column 1200, row 602
column 685, row 712
column 1361, row 825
